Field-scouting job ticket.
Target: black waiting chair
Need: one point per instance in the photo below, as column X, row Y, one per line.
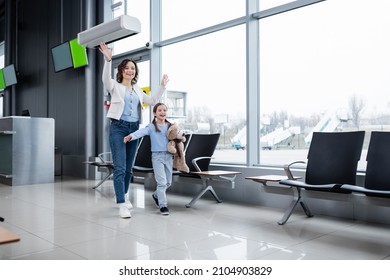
column 143, row 158
column 143, row 166
column 198, row 152
column 331, row 162
column 143, row 161
column 376, row 182
column 188, row 137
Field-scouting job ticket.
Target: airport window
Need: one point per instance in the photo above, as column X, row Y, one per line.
column 319, row 64
column 180, row 17
column 324, row 67
column 135, row 8
column 118, row 8
column 211, row 71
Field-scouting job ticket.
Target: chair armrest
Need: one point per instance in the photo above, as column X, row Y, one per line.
column 303, row 185
column 142, row 169
column 287, row 169
column 101, row 156
column 195, row 160
column 359, row 189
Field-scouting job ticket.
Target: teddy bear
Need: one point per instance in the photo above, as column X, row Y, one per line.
column 176, row 147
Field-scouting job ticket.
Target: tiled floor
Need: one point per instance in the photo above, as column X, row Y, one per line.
column 69, row 220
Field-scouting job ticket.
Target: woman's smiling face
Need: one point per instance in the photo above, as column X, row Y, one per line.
column 129, row 71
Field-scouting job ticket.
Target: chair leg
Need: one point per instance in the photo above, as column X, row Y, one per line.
column 211, row 190
column 306, row 208
column 292, row 206
column 103, row 180
column 201, row 193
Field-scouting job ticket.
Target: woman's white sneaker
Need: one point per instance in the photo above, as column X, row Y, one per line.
column 124, row 212
column 128, row 203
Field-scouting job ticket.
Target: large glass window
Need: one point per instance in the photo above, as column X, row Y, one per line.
column 324, row 67
column 180, row 17
column 135, row 8
column 211, row 71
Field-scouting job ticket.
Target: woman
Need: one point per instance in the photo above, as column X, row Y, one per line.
column 125, row 113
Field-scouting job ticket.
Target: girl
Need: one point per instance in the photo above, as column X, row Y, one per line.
column 161, row 159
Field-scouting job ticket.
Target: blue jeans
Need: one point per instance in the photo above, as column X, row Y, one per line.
column 123, row 156
column 162, row 167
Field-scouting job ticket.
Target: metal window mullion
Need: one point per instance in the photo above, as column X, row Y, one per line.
column 155, row 53
column 201, row 32
column 252, row 86
column 284, row 8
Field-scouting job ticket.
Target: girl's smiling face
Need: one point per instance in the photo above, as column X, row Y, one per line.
column 161, row 113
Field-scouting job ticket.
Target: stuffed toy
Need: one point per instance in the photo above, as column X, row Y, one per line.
column 176, row 147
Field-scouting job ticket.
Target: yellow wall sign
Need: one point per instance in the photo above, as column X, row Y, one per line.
column 147, row 91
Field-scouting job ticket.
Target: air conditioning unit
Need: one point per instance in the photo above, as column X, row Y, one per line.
column 108, row 32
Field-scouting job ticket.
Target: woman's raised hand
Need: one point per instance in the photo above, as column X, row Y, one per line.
column 106, row 51
column 164, row 80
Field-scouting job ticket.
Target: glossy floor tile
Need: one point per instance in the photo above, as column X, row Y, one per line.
column 68, row 220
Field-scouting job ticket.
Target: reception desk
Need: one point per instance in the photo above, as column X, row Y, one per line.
column 26, row 150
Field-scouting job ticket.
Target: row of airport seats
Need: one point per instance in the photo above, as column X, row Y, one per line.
column 332, row 167
column 199, row 149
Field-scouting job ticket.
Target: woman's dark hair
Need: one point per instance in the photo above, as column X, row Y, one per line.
column 154, row 122
column 122, row 66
